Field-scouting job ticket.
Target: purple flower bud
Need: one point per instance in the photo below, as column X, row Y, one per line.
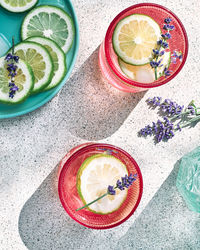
column 111, row 190
column 8, row 57
column 168, row 20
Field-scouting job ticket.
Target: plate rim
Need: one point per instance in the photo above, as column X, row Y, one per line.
column 71, row 66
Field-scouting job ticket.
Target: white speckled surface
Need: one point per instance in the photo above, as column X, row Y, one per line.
column 87, row 109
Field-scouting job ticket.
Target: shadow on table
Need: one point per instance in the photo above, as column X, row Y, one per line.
column 44, row 224
column 166, row 222
column 87, row 106
column 94, row 109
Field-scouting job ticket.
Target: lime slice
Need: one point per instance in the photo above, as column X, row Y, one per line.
column 134, row 38
column 58, row 58
column 51, row 22
column 40, row 61
column 18, row 5
column 24, row 81
column 143, row 74
column 95, row 175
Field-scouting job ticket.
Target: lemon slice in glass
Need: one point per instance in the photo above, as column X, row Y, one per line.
column 134, row 38
column 95, row 175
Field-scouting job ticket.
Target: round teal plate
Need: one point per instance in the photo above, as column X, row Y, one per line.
column 10, row 26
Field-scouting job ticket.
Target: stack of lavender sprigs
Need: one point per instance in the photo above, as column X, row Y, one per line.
column 175, row 118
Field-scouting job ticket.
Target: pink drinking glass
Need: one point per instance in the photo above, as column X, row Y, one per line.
column 108, row 60
column 69, row 196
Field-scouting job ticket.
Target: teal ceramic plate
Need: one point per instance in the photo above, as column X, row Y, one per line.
column 10, row 25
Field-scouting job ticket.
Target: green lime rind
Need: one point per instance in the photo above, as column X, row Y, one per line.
column 58, row 58
column 78, row 180
column 40, row 32
column 25, row 46
column 19, row 97
column 114, row 39
column 15, row 9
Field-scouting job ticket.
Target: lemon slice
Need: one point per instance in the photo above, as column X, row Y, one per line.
column 95, row 175
column 134, row 38
column 18, row 5
column 145, row 73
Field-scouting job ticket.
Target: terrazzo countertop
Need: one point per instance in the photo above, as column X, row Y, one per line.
column 88, row 109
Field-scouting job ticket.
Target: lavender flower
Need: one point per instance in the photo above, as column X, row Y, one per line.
column 162, row 43
column 168, row 106
column 191, row 109
column 125, row 182
column 168, row 20
column 12, row 71
column 165, row 129
column 166, row 36
column 168, row 27
column 176, row 56
column 167, row 72
column 155, row 101
column 111, row 190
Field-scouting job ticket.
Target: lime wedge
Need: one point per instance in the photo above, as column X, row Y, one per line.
column 58, row 58
column 51, row 22
column 18, row 5
column 95, row 175
column 40, row 61
column 24, row 81
column 134, row 38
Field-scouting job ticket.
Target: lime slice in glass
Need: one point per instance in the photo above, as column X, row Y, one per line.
column 24, row 80
column 95, row 175
column 51, row 22
column 58, row 58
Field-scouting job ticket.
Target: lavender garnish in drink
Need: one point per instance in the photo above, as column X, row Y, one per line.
column 125, row 182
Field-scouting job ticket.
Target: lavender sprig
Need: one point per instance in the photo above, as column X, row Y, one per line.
column 162, row 44
column 125, row 182
column 11, row 59
column 167, row 106
column 164, row 130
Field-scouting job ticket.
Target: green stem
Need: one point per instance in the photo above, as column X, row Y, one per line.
column 92, row 202
column 13, row 45
column 195, row 119
column 178, row 116
column 156, row 77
